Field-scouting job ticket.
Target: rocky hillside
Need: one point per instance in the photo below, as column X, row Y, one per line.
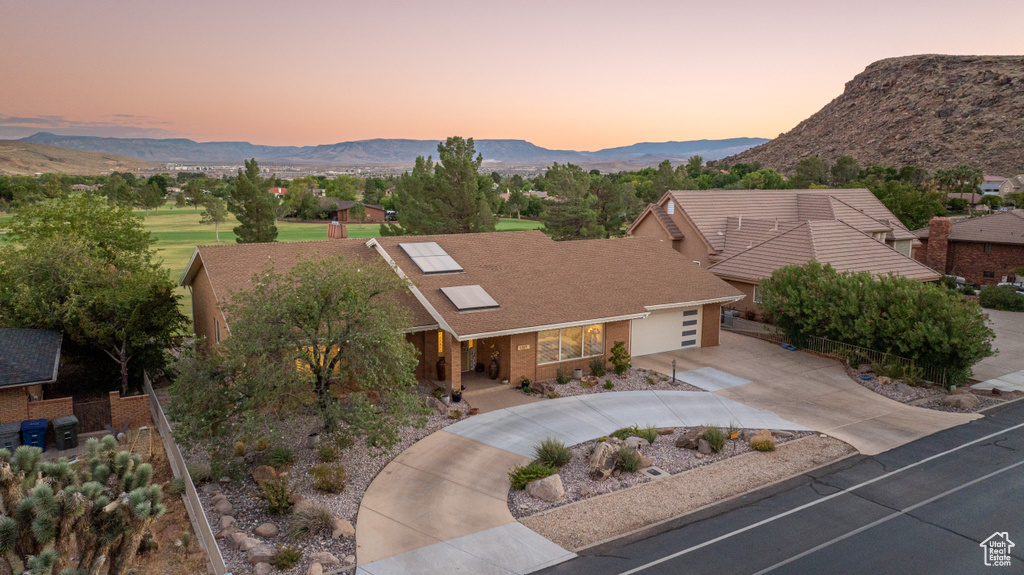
column 932, row 111
column 26, row 159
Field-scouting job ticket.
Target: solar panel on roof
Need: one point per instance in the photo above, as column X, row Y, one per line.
column 466, row 298
column 430, row 258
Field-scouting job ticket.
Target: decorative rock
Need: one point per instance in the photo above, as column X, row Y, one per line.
column 324, row 558
column 699, row 455
column 884, row 380
column 616, row 473
column 966, row 401
column 688, row 439
column 645, row 461
column 350, row 559
column 864, row 368
column 266, row 530
column 703, row 446
column 315, row 569
column 223, row 507
column 264, row 569
column 587, row 490
column 548, row 489
column 249, row 543
column 218, row 498
column 588, row 381
column 225, row 480
column 665, row 431
column 226, row 521
column 436, row 404
column 226, row 532
column 262, row 553
column 235, row 539
column 784, row 434
column 602, row 461
column 637, row 442
column 341, row 528
column 211, row 488
column 263, row 473
column 302, row 504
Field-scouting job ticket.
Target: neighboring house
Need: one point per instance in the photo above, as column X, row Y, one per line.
column 990, row 185
column 981, row 250
column 84, row 188
column 993, row 185
column 338, row 210
column 541, row 305
column 743, row 236
column 528, row 194
column 279, row 191
column 29, row 358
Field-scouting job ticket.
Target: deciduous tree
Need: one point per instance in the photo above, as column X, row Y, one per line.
column 216, row 213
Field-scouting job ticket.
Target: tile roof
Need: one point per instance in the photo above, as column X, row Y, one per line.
column 28, row 356
column 231, row 266
column 997, row 228
column 540, row 282
column 833, row 242
column 710, row 210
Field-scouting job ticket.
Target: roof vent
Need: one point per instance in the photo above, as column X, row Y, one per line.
column 430, row 258
column 671, row 207
column 468, row 298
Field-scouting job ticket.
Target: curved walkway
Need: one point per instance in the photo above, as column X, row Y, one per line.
column 442, row 504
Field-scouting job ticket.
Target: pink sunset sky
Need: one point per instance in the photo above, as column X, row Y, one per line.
column 578, row 75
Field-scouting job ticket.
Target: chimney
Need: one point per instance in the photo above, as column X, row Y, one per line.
column 336, row 231
column 938, row 242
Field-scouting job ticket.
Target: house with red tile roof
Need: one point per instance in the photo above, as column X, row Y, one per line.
column 541, row 306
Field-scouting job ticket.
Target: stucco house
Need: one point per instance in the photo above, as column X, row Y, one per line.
column 742, row 236
column 983, row 251
column 540, row 305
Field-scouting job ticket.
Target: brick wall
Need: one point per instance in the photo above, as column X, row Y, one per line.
column 452, row 362
column 134, row 409
column 430, row 355
column 206, row 315
column 969, row 260
column 13, row 405
column 936, row 256
column 710, row 322
column 615, row 331
column 524, row 361
column 51, row 409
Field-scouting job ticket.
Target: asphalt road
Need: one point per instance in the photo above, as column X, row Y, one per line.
column 924, row 507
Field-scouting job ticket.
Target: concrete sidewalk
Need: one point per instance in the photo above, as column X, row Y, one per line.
column 442, row 504
column 810, row 390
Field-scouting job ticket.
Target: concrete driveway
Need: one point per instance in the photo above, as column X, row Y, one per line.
column 1009, row 328
column 813, row 391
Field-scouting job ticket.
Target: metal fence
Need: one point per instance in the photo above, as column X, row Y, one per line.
column 192, row 504
column 855, row 355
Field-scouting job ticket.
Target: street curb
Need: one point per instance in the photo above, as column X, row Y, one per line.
column 721, row 507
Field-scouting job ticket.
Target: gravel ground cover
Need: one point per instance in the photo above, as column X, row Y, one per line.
column 361, row 464
column 666, row 456
column 926, row 395
column 602, row 517
column 635, row 379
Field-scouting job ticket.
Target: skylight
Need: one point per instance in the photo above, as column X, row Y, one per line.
column 467, row 298
column 430, row 258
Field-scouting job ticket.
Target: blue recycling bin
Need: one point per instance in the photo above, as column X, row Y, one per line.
column 33, row 432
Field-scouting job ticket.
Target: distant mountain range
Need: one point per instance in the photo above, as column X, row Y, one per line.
column 388, row 151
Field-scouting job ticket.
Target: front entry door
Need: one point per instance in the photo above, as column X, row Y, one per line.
column 468, row 355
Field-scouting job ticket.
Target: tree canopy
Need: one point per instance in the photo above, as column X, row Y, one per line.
column 253, row 205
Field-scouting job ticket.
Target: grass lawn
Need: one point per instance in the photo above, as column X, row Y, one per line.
column 178, row 232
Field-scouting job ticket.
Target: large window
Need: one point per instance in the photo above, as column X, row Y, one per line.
column 570, row 343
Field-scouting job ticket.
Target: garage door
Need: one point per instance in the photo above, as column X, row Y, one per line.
column 666, row 330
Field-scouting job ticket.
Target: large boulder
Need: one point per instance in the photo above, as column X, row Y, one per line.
column 263, row 569
column 341, row 528
column 324, row 558
column 266, row 530
column 965, row 401
column 235, row 539
column 315, row 569
column 688, row 439
column 884, row 380
column 548, row 489
column 703, row 446
column 637, row 442
column 263, row 473
column 226, row 521
column 602, row 461
column 249, row 543
column 436, row 404
column 645, row 461
column 223, row 507
column 262, row 553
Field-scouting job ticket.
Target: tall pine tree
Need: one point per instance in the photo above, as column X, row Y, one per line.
column 253, row 205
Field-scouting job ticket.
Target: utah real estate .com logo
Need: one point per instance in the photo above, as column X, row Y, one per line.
column 997, row 549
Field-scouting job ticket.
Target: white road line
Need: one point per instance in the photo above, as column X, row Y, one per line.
column 886, row 518
column 815, row 502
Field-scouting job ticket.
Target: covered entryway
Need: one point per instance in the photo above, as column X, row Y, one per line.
column 666, row 330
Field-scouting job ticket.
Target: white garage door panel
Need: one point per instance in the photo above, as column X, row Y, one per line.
column 666, row 330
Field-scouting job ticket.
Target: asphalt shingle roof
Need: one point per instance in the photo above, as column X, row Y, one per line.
column 28, row 356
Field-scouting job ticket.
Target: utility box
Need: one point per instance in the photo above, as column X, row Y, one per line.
column 66, row 430
column 10, row 436
column 33, row 432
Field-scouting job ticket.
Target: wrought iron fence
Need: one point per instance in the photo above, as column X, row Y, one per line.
column 892, row 364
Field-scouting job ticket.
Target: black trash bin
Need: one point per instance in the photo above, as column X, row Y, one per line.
column 10, row 436
column 66, row 430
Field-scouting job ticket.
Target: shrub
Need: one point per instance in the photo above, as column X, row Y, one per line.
column 199, row 472
column 286, row 557
column 649, row 432
column 554, row 395
column 607, row 381
column 327, row 453
column 262, row 444
column 620, row 358
column 279, row 457
column 524, row 381
column 239, row 449
column 185, row 541
column 524, row 474
column 343, row 441
column 624, row 432
column 553, row 453
column 527, row 390
column 455, row 414
column 608, row 384
column 628, row 460
column 1003, row 298
column 329, row 478
column 969, row 290
column 310, row 521
column 763, row 441
column 562, row 378
column 715, row 437
column 277, row 493
column 597, row 367
column 651, row 381
column 924, row 322
column 176, row 486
